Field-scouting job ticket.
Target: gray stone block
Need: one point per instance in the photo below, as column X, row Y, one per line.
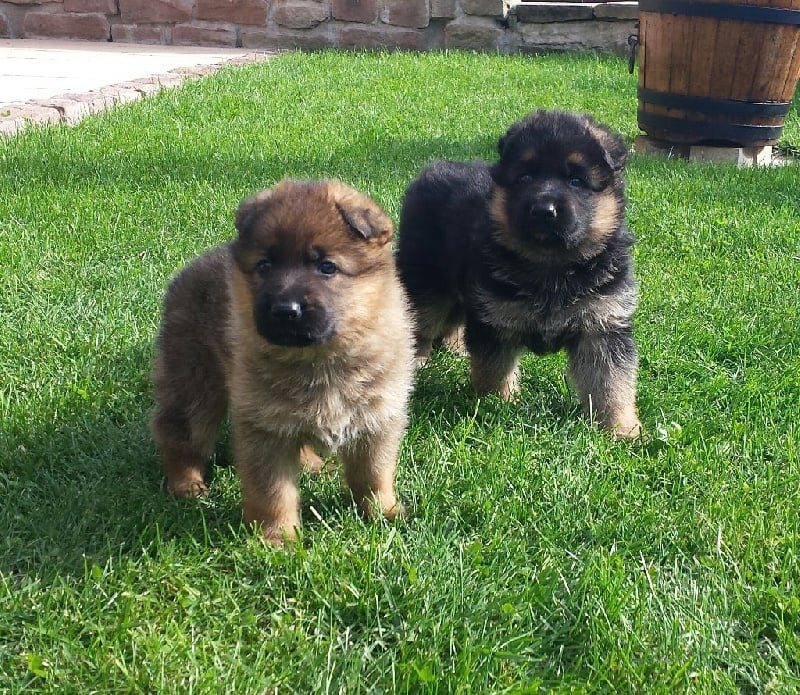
column 473, row 33
column 617, row 10
column 553, row 12
column 602, row 37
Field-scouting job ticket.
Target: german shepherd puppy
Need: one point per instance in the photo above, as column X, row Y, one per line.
column 530, row 253
column 300, row 328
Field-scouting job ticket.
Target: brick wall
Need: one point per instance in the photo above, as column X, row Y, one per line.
column 504, row 26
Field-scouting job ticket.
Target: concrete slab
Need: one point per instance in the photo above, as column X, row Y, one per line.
column 37, row 69
column 40, row 78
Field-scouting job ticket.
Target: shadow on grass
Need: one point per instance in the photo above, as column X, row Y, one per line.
column 83, row 484
column 244, row 166
column 443, row 386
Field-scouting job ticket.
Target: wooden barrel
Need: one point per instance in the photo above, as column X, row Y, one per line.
column 717, row 72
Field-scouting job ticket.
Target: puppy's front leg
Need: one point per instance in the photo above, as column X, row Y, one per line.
column 369, row 467
column 603, row 367
column 268, row 467
column 494, row 364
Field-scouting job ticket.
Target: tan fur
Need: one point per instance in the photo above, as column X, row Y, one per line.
column 347, row 395
column 603, row 224
column 606, row 211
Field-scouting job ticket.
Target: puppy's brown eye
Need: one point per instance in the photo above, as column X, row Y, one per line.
column 526, row 178
column 577, row 182
column 263, row 266
column 327, row 268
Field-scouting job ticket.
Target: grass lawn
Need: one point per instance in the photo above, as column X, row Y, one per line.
column 540, row 555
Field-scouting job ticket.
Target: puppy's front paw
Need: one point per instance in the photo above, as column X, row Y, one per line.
column 509, row 388
column 310, row 460
column 629, row 428
column 386, row 506
column 398, row 511
column 189, row 485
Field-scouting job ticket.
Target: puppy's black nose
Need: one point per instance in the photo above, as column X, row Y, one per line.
column 287, row 311
column 544, row 211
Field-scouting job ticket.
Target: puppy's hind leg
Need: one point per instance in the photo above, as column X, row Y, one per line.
column 191, row 401
column 311, row 460
column 456, row 342
column 434, row 321
column 186, row 434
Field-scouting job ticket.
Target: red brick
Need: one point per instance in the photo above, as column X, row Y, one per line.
column 100, row 6
column 190, row 72
column 168, row 79
column 351, row 36
column 252, row 12
column 190, row 35
column 71, row 111
column 90, row 27
column 154, row 11
column 137, row 33
column 365, row 11
column 144, row 85
column 406, row 13
column 119, row 94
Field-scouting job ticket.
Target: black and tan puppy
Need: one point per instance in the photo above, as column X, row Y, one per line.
column 530, row 253
column 300, row 327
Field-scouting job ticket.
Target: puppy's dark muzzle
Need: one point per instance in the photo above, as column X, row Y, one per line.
column 289, row 312
column 544, row 213
column 546, row 221
column 290, row 323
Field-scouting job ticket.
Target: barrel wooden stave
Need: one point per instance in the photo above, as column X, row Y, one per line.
column 718, row 58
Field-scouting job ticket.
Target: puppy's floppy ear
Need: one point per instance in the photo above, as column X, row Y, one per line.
column 498, row 175
column 613, row 144
column 501, row 143
column 250, row 208
column 516, row 128
column 370, row 223
column 506, row 137
column 362, row 214
column 496, row 170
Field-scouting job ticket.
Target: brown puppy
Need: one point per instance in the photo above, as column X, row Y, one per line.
column 300, row 327
column 530, row 253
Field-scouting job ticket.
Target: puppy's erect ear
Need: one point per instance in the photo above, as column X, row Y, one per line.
column 250, row 208
column 362, row 214
column 613, row 144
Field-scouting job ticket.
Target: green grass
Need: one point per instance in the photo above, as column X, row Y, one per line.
column 540, row 555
